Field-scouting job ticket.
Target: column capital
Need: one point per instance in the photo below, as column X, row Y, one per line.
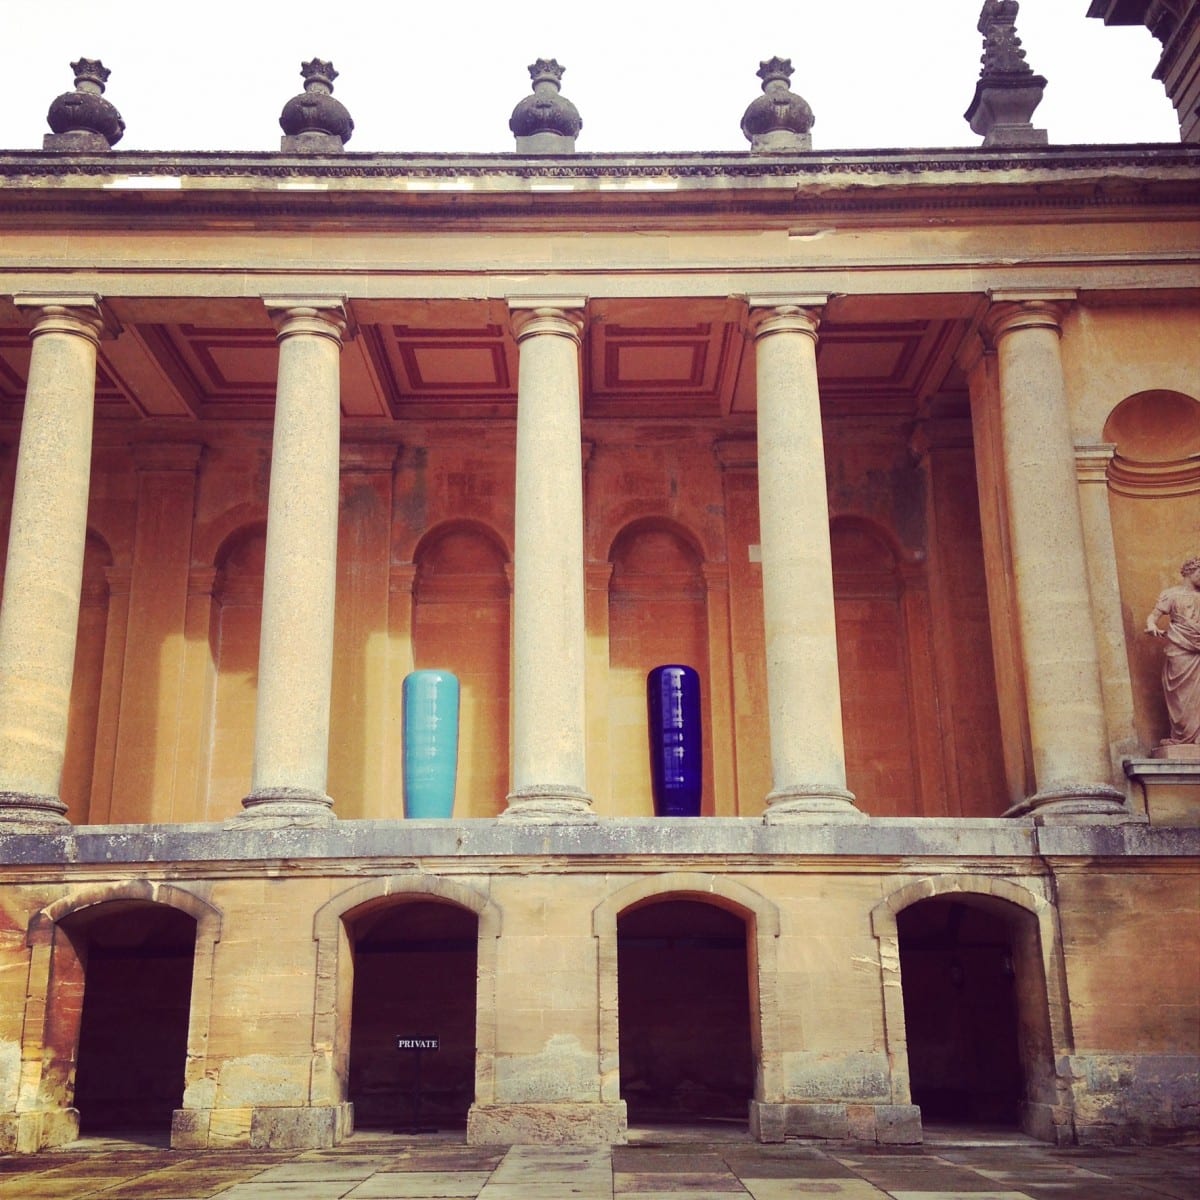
column 557, row 316
column 785, row 314
column 1011, row 311
column 78, row 313
column 320, row 316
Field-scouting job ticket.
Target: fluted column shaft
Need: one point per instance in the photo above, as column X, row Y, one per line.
column 1067, row 727
column 808, row 759
column 40, row 616
column 295, row 663
column 549, row 726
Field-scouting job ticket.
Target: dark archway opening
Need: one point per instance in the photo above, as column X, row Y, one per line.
column 684, row 1013
column 136, row 960
column 959, row 965
column 415, row 966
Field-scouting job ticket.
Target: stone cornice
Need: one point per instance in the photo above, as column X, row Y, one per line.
column 164, row 186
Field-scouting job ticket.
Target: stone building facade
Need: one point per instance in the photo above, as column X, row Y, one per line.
column 897, row 449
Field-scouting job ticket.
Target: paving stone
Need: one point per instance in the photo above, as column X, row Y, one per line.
column 813, row 1189
column 397, row 1185
column 955, row 1195
column 715, row 1183
column 316, row 1189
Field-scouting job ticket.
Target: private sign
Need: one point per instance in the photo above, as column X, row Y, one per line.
column 417, row 1043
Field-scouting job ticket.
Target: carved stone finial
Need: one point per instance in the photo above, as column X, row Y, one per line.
column 546, row 122
column 1180, row 605
column 778, row 121
column 82, row 120
column 1008, row 91
column 314, row 122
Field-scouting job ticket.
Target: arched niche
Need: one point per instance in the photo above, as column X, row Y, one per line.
column 461, row 618
column 234, row 627
column 876, row 608
column 83, row 722
column 1153, row 494
column 657, row 614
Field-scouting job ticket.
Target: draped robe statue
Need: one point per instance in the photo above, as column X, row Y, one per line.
column 1181, row 663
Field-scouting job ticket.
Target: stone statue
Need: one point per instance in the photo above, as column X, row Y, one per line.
column 1181, row 666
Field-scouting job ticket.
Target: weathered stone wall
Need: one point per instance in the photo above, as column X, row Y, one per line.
column 1108, row 1014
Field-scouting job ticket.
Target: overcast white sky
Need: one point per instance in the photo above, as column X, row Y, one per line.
column 646, row 75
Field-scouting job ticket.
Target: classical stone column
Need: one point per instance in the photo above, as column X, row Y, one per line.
column 295, row 657
column 548, row 692
column 42, row 581
column 808, row 758
column 1068, row 733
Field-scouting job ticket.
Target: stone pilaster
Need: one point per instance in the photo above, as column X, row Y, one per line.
column 808, row 759
column 549, row 782
column 1068, row 733
column 40, row 615
column 295, row 664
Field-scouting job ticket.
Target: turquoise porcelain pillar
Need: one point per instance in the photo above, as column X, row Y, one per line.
column 430, row 712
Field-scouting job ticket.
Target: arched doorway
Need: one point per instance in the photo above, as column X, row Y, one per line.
column 975, row 1011
column 124, row 982
column 415, row 969
column 686, row 1050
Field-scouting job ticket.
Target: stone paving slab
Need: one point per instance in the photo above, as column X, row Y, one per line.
column 408, row 1185
column 394, row 1167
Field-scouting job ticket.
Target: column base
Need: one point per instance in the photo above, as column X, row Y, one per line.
column 562, row 1124
column 316, row 1127
column 29, row 812
column 1077, row 802
column 887, row 1124
column 817, row 802
column 271, row 808
column 549, row 804
column 41, row 1129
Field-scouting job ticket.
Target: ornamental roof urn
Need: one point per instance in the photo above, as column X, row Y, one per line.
column 82, row 120
column 778, row 121
column 1008, row 91
column 546, row 122
column 314, row 122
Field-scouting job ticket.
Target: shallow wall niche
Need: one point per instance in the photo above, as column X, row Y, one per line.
column 86, row 684
column 461, row 624
column 235, row 624
column 962, row 924
column 882, row 680
column 1153, row 495
column 657, row 614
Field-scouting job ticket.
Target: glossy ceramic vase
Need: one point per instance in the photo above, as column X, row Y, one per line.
column 430, row 713
column 676, row 740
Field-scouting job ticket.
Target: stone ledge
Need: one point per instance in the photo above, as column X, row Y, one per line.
column 656, row 838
